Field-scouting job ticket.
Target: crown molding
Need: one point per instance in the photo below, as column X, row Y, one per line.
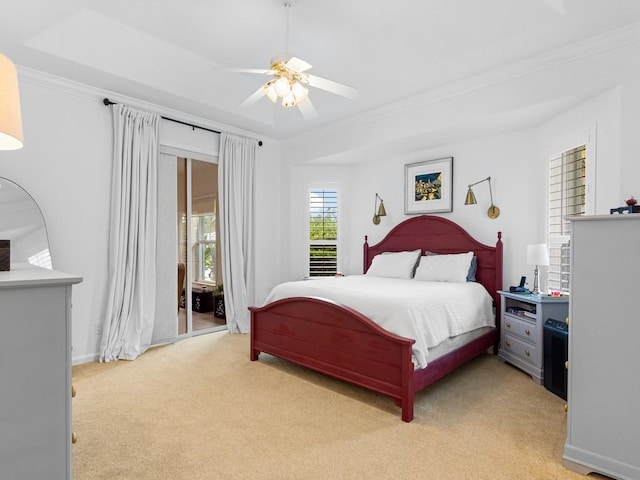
column 527, row 66
column 71, row 87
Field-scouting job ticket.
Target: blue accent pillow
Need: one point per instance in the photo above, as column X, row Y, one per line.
column 473, row 268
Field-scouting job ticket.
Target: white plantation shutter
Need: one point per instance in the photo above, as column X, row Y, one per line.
column 567, row 196
column 323, row 232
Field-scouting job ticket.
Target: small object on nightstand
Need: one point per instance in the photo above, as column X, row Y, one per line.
column 520, row 288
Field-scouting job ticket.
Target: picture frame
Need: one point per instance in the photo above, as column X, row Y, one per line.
column 428, row 186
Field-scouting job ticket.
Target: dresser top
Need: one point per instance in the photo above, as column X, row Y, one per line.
column 34, row 277
column 620, row 217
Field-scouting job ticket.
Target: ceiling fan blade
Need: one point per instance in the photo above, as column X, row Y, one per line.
column 250, row 70
column 297, row 65
column 253, row 98
column 331, row 86
column 307, row 109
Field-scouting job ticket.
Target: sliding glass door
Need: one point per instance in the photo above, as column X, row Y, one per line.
column 201, row 301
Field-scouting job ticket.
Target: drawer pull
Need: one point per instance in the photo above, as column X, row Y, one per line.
column 507, row 343
column 73, row 391
column 74, row 437
column 527, row 353
column 508, row 324
column 527, row 332
column 566, row 320
column 566, row 364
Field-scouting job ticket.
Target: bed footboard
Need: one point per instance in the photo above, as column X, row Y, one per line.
column 338, row 341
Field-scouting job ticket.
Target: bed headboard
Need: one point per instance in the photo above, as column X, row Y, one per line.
column 439, row 235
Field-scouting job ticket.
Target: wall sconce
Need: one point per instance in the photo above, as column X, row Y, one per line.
column 537, row 255
column 378, row 211
column 11, row 137
column 493, row 211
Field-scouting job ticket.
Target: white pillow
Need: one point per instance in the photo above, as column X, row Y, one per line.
column 394, row 264
column 444, row 268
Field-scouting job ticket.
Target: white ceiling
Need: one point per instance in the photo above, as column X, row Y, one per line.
column 170, row 53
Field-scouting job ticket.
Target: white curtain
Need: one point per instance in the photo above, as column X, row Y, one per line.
column 130, row 311
column 236, row 167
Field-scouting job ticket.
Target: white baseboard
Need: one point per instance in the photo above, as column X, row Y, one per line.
column 93, row 357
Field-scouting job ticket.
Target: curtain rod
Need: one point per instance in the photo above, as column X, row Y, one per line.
column 108, row 102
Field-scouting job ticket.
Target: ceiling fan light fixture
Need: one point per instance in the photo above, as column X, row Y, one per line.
column 291, row 82
column 289, row 100
column 282, row 87
column 270, row 91
column 299, row 92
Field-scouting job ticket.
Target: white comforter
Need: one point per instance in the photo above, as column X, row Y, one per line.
column 428, row 312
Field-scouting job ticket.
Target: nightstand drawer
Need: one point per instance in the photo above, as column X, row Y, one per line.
column 527, row 352
column 521, row 328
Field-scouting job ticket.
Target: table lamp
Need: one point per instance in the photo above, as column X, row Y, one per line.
column 537, row 255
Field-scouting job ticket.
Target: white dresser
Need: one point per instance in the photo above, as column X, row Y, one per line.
column 603, row 425
column 35, row 374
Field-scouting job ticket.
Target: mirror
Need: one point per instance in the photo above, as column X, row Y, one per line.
column 22, row 223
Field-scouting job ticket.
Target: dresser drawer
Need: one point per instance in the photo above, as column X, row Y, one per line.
column 527, row 352
column 520, row 328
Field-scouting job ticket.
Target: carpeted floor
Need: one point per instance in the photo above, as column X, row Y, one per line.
column 199, row 409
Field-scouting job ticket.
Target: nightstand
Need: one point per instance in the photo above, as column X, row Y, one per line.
column 522, row 320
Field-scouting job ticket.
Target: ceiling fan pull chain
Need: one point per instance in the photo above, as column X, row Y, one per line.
column 286, row 38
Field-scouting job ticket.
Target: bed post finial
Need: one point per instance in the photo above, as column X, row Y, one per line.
column 365, row 254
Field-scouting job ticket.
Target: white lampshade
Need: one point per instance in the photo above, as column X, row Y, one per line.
column 538, row 254
column 282, row 87
column 299, row 92
column 270, row 91
column 11, row 137
column 289, row 100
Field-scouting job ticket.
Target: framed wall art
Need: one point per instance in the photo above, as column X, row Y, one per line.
column 428, row 186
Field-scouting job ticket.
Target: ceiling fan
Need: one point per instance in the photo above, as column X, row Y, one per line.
column 290, row 81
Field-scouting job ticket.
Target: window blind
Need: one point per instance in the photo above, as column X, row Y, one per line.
column 323, row 232
column 567, row 196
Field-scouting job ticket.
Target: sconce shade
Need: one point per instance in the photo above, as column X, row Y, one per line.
column 381, row 211
column 378, row 210
column 493, row 211
column 11, row 137
column 537, row 254
column 471, row 198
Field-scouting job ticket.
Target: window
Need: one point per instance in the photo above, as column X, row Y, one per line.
column 323, row 232
column 203, row 227
column 567, row 196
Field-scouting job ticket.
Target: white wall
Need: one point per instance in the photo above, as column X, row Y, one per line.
column 66, row 166
column 596, row 90
column 517, row 163
column 509, row 159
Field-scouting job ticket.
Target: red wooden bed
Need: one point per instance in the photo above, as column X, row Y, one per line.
column 337, row 340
